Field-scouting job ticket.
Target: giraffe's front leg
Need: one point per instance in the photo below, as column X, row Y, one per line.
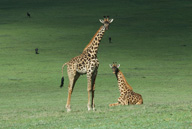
column 120, row 102
column 114, row 104
column 89, row 91
column 93, row 88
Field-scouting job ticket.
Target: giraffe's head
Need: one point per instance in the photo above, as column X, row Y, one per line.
column 106, row 22
column 115, row 67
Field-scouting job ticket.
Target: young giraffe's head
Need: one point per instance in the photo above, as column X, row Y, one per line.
column 115, row 67
column 106, row 22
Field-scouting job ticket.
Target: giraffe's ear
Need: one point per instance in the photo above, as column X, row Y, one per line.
column 118, row 65
column 111, row 20
column 110, row 65
column 102, row 21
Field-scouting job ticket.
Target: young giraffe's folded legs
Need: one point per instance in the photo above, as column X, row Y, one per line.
column 114, row 104
column 140, row 101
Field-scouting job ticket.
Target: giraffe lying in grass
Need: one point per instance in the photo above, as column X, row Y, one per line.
column 127, row 95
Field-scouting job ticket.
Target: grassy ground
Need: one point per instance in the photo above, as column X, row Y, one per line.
column 152, row 41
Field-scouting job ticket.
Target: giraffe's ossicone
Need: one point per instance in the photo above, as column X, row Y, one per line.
column 127, row 95
column 86, row 63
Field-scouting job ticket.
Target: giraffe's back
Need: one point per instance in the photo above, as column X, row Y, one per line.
column 83, row 63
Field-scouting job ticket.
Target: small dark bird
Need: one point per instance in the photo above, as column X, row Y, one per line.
column 36, row 51
column 28, row 14
column 109, row 39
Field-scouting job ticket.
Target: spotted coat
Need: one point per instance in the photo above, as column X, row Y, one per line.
column 86, row 63
column 127, row 95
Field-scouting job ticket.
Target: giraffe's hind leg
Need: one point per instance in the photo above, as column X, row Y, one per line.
column 72, row 80
column 140, row 102
column 139, row 99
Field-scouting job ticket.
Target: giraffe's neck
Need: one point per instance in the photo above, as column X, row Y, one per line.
column 122, row 83
column 93, row 45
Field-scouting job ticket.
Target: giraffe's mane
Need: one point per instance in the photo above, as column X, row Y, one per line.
column 125, row 81
column 92, row 39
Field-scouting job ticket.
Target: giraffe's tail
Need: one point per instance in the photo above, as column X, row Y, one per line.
column 62, row 79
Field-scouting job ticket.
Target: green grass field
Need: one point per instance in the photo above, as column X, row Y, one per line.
column 152, row 40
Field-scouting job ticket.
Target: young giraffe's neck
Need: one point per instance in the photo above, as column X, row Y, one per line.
column 122, row 83
column 93, row 45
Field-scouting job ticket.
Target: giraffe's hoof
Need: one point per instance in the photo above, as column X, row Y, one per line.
column 68, row 107
column 89, row 109
column 68, row 110
column 94, row 109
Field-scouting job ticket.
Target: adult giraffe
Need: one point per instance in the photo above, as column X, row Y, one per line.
column 86, row 63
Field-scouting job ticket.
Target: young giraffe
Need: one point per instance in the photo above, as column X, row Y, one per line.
column 86, row 63
column 127, row 95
